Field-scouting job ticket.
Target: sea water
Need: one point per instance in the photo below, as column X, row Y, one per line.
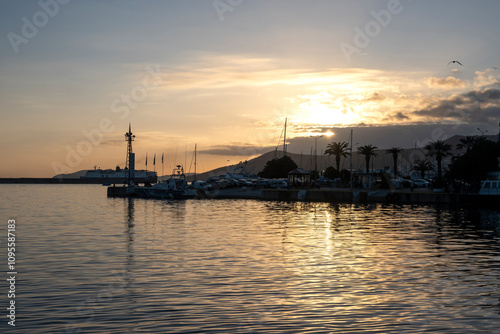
column 86, row 263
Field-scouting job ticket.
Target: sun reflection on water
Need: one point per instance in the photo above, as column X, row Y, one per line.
column 254, row 266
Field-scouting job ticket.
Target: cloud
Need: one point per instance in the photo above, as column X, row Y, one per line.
column 400, row 116
column 490, row 95
column 485, row 78
column 375, row 97
column 237, row 149
column 472, row 106
column 228, row 71
column 446, row 83
column 328, row 96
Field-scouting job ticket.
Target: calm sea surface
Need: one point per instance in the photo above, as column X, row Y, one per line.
column 91, row 264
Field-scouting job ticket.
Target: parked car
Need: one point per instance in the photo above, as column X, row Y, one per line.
column 202, row 185
column 422, row 183
column 407, row 184
column 278, row 184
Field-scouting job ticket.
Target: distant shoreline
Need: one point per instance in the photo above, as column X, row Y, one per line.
column 46, row 180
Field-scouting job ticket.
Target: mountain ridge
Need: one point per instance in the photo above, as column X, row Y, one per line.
column 306, row 161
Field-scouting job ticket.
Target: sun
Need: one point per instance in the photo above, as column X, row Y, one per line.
column 325, row 110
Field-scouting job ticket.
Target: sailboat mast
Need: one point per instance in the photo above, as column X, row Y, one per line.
column 195, row 162
column 350, row 161
column 284, row 140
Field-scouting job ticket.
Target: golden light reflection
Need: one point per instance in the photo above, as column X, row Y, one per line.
column 328, row 235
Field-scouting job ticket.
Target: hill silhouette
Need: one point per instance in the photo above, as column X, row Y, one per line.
column 306, row 161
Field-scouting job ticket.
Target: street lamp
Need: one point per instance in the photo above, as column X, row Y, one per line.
column 316, row 154
column 482, row 132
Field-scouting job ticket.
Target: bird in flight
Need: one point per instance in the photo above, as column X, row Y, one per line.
column 455, row 61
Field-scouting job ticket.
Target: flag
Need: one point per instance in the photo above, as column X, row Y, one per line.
column 146, row 160
column 162, row 158
column 154, row 159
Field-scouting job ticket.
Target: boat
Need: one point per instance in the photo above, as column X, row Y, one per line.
column 239, row 172
column 488, row 195
column 491, row 186
column 118, row 175
column 174, row 187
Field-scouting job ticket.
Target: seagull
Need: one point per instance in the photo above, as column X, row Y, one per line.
column 455, row 61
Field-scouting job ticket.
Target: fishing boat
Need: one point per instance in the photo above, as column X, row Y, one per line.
column 174, row 187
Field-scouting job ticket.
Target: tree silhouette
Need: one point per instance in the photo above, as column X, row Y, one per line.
column 278, row 168
column 438, row 149
column 368, row 151
column 466, row 143
column 395, row 152
column 339, row 150
column 422, row 166
column 473, row 166
column 332, row 173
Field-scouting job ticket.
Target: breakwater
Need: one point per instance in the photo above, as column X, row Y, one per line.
column 51, row 180
column 332, row 195
column 336, row 195
column 347, row 195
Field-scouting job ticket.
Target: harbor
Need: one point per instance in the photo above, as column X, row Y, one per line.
column 299, row 186
column 265, row 167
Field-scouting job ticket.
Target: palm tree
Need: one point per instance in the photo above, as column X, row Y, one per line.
column 422, row 166
column 339, row 150
column 438, row 149
column 395, row 152
column 466, row 143
column 368, row 151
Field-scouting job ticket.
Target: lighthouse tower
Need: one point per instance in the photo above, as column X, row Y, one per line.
column 130, row 162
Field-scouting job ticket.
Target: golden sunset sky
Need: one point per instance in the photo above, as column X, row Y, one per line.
column 225, row 74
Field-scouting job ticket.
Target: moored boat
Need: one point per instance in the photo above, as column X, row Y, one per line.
column 174, row 187
column 118, row 175
column 491, row 186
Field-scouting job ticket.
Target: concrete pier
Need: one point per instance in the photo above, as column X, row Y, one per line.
column 337, row 195
column 425, row 196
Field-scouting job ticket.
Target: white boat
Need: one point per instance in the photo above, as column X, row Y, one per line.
column 118, row 175
column 175, row 187
column 491, row 186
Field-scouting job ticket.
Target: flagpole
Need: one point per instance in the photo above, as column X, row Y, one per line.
column 162, row 165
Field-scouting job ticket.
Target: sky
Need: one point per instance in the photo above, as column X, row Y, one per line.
column 225, row 74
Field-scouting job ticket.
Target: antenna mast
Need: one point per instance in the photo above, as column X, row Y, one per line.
column 129, row 138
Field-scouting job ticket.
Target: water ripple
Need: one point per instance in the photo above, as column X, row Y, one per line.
column 91, row 264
